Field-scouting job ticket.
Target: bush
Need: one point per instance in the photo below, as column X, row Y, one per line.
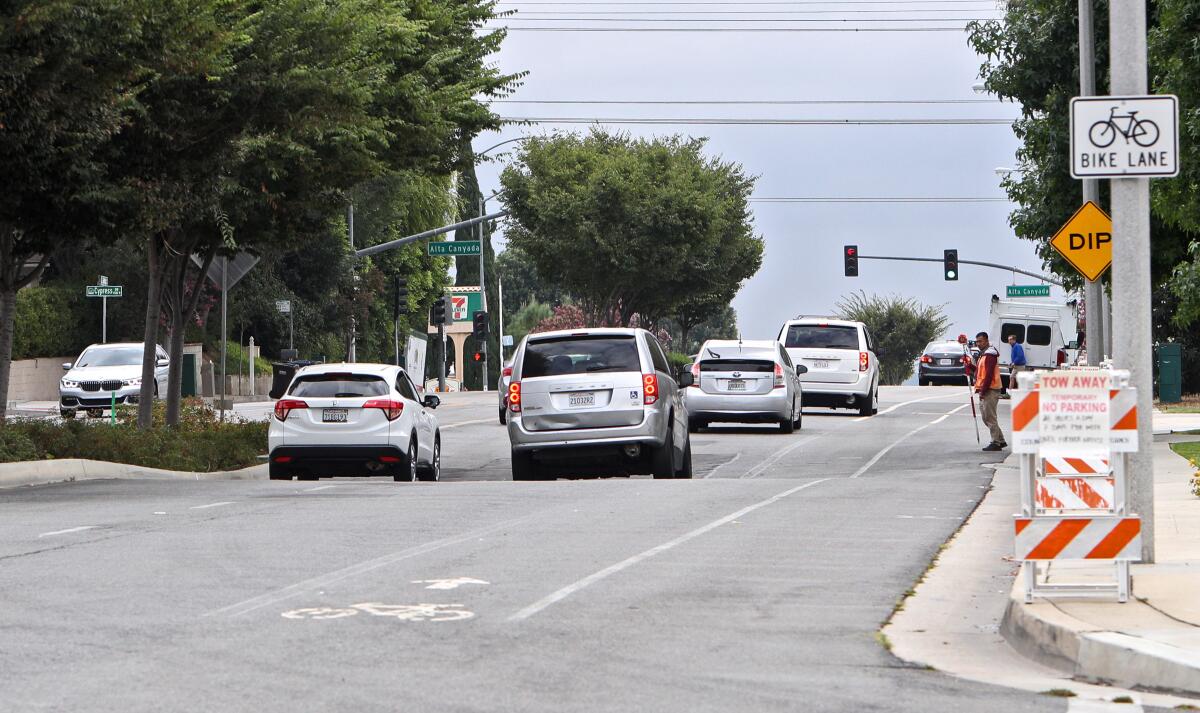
column 48, row 323
column 199, row 444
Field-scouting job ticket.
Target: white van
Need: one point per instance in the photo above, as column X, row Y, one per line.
column 1049, row 331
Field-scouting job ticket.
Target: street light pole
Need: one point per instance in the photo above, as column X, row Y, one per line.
column 1093, row 291
column 1132, row 336
column 352, row 352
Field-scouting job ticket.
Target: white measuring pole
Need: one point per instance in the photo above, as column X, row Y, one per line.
column 1131, row 319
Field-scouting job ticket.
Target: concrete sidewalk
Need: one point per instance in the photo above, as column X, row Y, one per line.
column 1165, row 423
column 1153, row 641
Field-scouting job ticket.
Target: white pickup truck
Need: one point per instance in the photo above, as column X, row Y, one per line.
column 1049, row 331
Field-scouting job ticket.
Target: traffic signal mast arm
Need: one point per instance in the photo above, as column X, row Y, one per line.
column 382, row 247
column 998, row 266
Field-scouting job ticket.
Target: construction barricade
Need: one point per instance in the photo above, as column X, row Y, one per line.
column 1073, row 431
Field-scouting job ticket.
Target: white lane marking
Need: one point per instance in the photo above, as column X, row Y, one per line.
column 320, row 487
column 929, row 517
column 211, row 505
column 899, row 405
column 875, row 459
column 627, row 563
column 732, row 460
column 454, row 583
column 468, row 423
column 402, row 612
column 1091, row 705
column 762, row 467
column 295, row 590
column 68, row 530
column 950, row 413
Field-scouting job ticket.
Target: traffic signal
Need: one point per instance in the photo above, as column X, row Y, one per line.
column 478, row 356
column 479, row 325
column 400, row 306
column 437, row 314
column 850, row 255
column 950, row 264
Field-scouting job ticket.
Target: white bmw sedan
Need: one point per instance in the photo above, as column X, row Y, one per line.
column 354, row 419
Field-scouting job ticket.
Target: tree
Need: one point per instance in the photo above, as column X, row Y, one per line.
column 901, row 327
column 522, row 283
column 69, row 77
column 699, row 310
column 721, row 325
column 633, row 226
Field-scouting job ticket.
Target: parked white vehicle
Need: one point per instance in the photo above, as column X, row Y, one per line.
column 744, row 381
column 1049, row 331
column 104, row 373
column 354, row 419
column 839, row 355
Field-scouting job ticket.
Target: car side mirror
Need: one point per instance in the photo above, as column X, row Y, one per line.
column 66, row 366
column 162, row 362
column 686, row 379
column 801, row 369
column 431, row 401
column 1073, row 345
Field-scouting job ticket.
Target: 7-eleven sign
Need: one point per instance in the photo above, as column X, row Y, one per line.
column 458, row 308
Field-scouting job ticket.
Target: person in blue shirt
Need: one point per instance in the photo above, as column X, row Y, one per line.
column 1018, row 363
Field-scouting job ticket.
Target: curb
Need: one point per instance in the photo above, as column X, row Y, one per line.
column 68, row 470
column 1056, row 639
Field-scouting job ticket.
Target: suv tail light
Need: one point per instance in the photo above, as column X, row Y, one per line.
column 514, row 397
column 926, row 359
column 779, row 377
column 649, row 389
column 285, row 406
column 391, row 408
column 864, row 361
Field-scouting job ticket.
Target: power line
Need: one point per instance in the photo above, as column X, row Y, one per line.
column 522, row 18
column 746, row 102
column 512, row 28
column 522, row 14
column 752, row 122
column 879, row 199
column 742, row 4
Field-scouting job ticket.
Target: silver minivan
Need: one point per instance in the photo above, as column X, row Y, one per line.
column 596, row 402
column 745, row 381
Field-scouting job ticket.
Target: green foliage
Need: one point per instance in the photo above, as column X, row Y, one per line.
column 632, row 226
column 198, row 444
column 522, row 283
column 48, row 323
column 1185, row 286
column 526, row 318
column 679, row 361
column 901, row 327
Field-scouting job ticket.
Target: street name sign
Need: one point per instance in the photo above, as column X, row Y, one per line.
column 104, row 291
column 1027, row 291
column 457, row 247
column 283, row 306
column 1124, row 137
column 1086, row 241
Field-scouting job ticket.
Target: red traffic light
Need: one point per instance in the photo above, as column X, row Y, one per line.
column 478, row 356
column 851, row 251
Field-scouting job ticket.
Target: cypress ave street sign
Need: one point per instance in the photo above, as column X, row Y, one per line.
column 457, row 247
column 1086, row 241
column 104, row 291
column 1027, row 291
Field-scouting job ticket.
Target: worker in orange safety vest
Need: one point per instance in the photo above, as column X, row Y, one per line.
column 987, row 385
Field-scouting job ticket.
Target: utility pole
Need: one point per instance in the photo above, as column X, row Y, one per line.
column 1093, row 291
column 482, row 294
column 1132, row 338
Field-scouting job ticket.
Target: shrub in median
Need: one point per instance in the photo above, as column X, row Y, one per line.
column 200, row 443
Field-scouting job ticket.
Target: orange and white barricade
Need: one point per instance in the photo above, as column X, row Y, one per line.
column 1073, row 505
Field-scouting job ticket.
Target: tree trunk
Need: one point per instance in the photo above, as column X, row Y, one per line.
column 181, row 306
column 175, row 370
column 150, row 334
column 8, row 308
column 12, row 261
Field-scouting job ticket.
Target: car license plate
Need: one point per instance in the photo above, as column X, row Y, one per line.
column 736, row 385
column 821, row 363
column 334, row 415
column 581, row 399
column 946, row 362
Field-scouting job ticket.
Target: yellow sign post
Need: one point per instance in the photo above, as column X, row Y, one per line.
column 1086, row 241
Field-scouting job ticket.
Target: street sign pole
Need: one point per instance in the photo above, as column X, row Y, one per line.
column 482, row 296
column 1131, row 317
column 1093, row 291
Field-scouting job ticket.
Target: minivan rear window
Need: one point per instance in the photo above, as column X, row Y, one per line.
column 736, row 365
column 339, row 385
column 580, row 355
column 1038, row 335
column 816, row 336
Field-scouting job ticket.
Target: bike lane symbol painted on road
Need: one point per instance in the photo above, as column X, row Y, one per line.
column 402, row 612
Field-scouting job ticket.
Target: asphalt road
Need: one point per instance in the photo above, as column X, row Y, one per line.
column 758, row 586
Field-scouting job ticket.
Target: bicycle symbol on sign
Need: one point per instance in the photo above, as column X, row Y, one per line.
column 1143, row 132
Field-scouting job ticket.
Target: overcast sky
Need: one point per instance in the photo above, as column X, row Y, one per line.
column 802, row 266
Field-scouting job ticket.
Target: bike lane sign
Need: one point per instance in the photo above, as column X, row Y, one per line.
column 1124, row 137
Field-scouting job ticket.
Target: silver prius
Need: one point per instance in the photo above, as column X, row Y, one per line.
column 746, row 381
column 596, row 402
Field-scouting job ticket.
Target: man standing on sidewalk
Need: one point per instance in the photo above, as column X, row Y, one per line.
column 987, row 385
column 1016, row 362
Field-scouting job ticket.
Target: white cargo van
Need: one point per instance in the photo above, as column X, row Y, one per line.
column 1049, row 331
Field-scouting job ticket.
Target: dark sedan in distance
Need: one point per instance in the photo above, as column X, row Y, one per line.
column 941, row 363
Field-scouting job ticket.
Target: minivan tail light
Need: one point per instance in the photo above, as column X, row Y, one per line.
column 864, row 360
column 507, row 371
column 285, row 406
column 514, row 397
column 649, row 389
column 779, row 377
column 390, row 407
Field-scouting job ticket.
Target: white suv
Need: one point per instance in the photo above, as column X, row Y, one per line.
column 354, row 419
column 843, row 371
